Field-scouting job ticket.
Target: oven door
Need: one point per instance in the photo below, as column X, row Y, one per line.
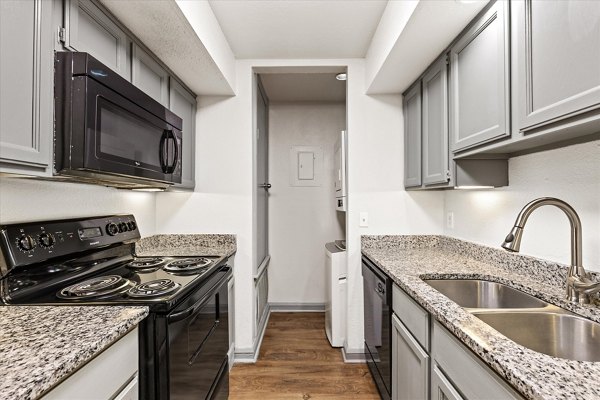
column 377, row 326
column 117, row 136
column 197, row 351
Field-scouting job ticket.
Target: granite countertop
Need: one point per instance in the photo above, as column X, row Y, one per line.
column 42, row 345
column 410, row 259
column 220, row 245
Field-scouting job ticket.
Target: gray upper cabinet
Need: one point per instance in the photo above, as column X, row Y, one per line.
column 412, row 136
column 149, row 76
column 558, row 59
column 90, row 30
column 183, row 104
column 26, row 98
column 435, row 124
column 479, row 81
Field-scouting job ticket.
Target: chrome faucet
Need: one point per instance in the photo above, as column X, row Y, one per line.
column 579, row 285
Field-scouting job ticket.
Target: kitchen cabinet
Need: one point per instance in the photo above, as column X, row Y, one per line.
column 436, row 168
column 149, row 76
column 411, row 371
column 427, row 161
column 410, row 345
column 479, row 81
column 183, row 104
column 90, row 29
column 113, row 374
column 465, row 370
column 27, row 82
column 429, row 362
column 412, row 136
column 441, row 388
column 558, row 53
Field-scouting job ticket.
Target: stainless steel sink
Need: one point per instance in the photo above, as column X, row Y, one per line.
column 472, row 293
column 556, row 334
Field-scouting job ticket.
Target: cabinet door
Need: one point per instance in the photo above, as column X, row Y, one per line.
column 479, row 81
column 184, row 105
column 26, row 82
column 90, row 30
column 435, row 124
column 410, row 365
column 412, row 136
column 558, row 59
column 149, row 76
column 441, row 388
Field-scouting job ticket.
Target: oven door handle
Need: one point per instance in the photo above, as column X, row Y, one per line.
column 199, row 349
column 192, row 309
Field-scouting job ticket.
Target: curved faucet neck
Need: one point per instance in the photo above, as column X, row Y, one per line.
column 576, row 242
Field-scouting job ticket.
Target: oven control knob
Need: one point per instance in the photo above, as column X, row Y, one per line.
column 123, row 227
column 26, row 243
column 112, row 229
column 131, row 225
column 46, row 240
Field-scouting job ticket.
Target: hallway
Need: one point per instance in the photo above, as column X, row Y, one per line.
column 297, row 362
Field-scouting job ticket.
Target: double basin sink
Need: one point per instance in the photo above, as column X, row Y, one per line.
column 526, row 320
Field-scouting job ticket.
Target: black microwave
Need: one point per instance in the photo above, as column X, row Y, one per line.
column 108, row 131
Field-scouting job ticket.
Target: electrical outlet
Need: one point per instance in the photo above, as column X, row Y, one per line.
column 364, row 220
column 450, row 220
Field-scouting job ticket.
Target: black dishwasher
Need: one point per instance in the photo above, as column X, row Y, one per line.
column 377, row 327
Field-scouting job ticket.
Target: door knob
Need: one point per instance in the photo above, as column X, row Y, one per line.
column 265, row 186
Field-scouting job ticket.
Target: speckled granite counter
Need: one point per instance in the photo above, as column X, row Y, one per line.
column 42, row 345
column 410, row 259
column 187, row 245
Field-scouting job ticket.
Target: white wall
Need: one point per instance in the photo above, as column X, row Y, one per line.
column 32, row 200
column 375, row 185
column 301, row 219
column 222, row 200
column 571, row 174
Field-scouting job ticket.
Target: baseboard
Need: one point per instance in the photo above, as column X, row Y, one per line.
column 297, row 307
column 250, row 355
column 353, row 357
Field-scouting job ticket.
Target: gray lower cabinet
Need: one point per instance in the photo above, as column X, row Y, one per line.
column 89, row 29
column 410, row 375
column 441, row 388
column 479, row 81
column 436, row 169
column 26, row 82
column 183, row 104
column 412, row 136
column 149, row 76
column 428, row 362
column 469, row 375
column 558, row 53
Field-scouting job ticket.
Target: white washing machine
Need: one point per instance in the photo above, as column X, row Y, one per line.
column 335, row 305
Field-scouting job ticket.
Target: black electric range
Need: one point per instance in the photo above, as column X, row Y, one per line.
column 91, row 261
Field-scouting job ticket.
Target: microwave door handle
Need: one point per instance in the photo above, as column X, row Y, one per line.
column 175, row 155
column 161, row 151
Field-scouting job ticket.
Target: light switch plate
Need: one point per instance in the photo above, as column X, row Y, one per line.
column 364, row 219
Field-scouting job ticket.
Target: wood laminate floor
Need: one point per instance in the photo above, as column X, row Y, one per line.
column 297, row 362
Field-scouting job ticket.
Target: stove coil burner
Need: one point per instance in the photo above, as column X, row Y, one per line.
column 102, row 286
column 159, row 287
column 145, row 263
column 188, row 265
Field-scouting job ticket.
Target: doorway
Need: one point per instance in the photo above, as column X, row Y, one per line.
column 305, row 114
